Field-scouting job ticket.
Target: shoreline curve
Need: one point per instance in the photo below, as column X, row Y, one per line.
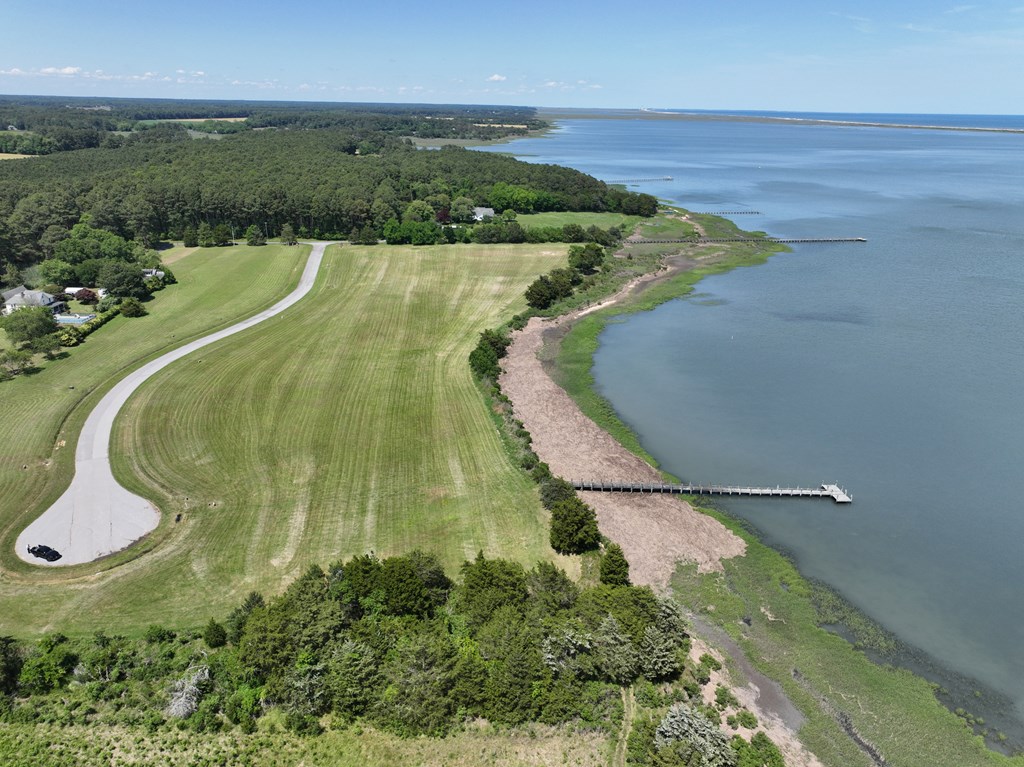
column 96, row 516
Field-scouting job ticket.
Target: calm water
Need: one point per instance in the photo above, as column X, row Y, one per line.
column 895, row 368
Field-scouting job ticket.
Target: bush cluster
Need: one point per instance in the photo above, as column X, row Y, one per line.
column 550, row 288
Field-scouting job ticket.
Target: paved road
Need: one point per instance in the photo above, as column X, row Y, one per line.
column 96, row 516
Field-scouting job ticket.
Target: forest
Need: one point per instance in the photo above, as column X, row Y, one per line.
column 328, row 174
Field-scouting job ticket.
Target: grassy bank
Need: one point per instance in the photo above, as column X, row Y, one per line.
column 54, row 745
column 767, row 607
column 575, row 354
column 600, row 220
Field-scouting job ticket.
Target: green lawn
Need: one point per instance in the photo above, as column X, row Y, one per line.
column 349, row 423
column 602, row 220
column 44, row 411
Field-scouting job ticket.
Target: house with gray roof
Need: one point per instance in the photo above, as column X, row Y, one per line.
column 23, row 298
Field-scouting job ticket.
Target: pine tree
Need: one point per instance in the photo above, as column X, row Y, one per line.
column 214, row 635
column 205, row 236
column 617, row 656
column 614, row 570
column 658, row 655
column 696, row 737
column 253, row 236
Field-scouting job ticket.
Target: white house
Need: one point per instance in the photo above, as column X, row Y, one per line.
column 22, row 298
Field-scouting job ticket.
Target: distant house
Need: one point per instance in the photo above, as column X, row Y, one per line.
column 23, row 298
column 479, row 214
column 147, row 273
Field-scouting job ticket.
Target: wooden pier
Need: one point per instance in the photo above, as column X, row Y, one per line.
column 638, row 180
column 834, row 492
column 749, row 240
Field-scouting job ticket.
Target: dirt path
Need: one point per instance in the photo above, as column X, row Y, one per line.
column 628, row 715
column 96, row 516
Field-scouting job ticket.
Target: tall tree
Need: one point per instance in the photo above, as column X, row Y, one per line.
column 26, row 325
column 122, row 280
column 204, row 237
column 254, row 236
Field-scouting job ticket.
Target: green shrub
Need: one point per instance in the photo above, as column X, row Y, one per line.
column 132, row 307
column 573, row 527
column 555, row 489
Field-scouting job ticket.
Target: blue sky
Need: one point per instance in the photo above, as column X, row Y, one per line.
column 863, row 56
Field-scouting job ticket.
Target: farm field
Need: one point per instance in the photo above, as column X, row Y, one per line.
column 216, row 286
column 349, row 423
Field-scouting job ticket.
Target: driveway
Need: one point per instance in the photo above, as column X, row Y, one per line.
column 96, row 516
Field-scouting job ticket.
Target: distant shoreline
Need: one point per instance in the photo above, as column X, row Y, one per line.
column 650, row 114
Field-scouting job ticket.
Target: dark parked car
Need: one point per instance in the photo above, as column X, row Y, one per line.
column 44, row 552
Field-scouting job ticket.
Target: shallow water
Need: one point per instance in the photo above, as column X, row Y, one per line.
column 894, row 367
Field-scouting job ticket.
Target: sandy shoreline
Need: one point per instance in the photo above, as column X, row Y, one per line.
column 655, row 532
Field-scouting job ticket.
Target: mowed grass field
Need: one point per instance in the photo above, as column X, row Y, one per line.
column 348, row 424
column 43, row 412
column 602, row 220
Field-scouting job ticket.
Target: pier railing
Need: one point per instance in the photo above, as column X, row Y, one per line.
column 748, row 240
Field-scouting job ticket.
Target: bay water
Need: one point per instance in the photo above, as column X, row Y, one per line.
column 893, row 367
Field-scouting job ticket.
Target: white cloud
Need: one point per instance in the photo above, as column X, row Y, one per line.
column 496, row 78
column 961, row 9
column 60, row 70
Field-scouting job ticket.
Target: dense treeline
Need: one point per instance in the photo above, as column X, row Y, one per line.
column 396, row 644
column 43, row 125
column 392, row 641
column 324, row 183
